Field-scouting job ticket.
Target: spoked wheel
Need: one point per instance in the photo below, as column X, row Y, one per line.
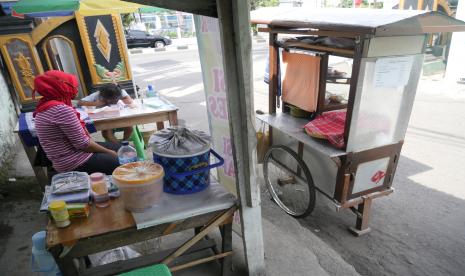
column 289, row 181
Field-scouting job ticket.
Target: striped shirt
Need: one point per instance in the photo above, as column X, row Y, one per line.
column 61, row 136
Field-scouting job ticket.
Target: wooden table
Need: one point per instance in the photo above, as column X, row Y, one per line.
column 112, row 227
column 143, row 114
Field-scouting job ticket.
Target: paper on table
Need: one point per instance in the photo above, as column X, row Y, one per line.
column 393, row 71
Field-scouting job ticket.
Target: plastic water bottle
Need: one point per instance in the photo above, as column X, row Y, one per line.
column 127, row 154
column 150, row 91
column 42, row 261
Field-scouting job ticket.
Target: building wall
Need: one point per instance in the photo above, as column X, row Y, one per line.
column 8, row 120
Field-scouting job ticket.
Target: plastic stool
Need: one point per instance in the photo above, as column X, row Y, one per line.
column 154, row 270
column 138, row 141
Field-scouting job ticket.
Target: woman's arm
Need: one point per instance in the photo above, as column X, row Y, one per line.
column 85, row 103
column 94, row 147
column 72, row 129
column 127, row 100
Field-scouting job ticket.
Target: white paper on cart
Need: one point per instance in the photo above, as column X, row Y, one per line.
column 392, row 71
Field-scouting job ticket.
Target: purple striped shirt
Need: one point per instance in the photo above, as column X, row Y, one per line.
column 61, row 136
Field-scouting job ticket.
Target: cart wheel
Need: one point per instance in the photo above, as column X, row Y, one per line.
column 289, row 181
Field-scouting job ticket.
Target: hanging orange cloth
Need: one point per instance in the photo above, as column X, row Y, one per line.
column 301, row 80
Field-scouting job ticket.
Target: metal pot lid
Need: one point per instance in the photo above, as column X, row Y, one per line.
column 179, row 141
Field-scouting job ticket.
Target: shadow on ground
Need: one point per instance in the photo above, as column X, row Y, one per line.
column 415, row 231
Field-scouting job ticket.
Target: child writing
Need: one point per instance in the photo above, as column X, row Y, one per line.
column 109, row 94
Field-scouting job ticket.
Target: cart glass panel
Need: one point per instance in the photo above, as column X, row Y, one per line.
column 383, row 102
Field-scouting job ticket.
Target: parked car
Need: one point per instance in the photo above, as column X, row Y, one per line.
column 136, row 38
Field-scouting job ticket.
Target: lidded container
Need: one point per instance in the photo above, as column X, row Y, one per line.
column 59, row 213
column 185, row 156
column 140, row 184
column 100, row 190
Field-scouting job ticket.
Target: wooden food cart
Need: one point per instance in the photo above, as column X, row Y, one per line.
column 382, row 52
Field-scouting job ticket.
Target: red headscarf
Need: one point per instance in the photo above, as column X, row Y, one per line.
column 56, row 88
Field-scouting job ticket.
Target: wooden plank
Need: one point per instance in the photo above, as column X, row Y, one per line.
column 102, row 220
column 116, row 239
column 199, row 236
column 201, row 261
column 118, row 122
column 234, row 23
column 272, row 74
column 359, row 47
column 146, row 260
column 309, row 32
column 333, row 51
column 322, row 87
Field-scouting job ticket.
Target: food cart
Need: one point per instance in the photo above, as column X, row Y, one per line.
column 232, row 17
column 368, row 98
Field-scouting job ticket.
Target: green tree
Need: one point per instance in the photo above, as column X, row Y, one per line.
column 346, row 4
column 255, row 4
column 127, row 19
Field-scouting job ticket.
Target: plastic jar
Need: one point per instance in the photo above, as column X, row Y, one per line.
column 59, row 213
column 99, row 190
column 140, row 184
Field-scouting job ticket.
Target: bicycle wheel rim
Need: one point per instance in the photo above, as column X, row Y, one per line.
column 289, row 181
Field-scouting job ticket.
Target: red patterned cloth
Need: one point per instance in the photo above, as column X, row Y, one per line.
column 329, row 125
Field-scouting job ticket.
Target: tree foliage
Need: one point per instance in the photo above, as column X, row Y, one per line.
column 255, row 4
column 127, row 19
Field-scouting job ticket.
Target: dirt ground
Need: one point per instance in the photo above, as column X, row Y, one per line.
column 19, row 220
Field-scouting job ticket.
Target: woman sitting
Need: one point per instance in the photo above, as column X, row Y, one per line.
column 62, row 134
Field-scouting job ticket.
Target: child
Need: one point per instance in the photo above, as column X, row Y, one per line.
column 109, row 94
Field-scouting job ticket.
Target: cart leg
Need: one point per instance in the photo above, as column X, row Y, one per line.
column 363, row 218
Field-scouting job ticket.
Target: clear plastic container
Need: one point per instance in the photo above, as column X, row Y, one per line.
column 140, row 184
column 150, row 91
column 100, row 190
column 127, row 154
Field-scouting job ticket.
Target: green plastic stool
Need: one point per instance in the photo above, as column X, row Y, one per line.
column 138, row 141
column 154, row 270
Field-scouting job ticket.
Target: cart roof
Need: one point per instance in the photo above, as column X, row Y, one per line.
column 378, row 22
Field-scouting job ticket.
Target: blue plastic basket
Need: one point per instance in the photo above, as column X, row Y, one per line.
column 187, row 174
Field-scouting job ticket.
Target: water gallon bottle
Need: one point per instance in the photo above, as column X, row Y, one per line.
column 150, row 91
column 41, row 260
column 127, row 154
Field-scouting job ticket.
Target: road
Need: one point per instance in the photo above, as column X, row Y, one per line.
column 418, row 230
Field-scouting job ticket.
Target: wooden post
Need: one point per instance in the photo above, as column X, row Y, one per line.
column 237, row 44
column 401, row 4
column 272, row 73
column 420, row 5
column 363, row 218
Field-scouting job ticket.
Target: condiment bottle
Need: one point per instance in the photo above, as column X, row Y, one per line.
column 59, row 213
column 100, row 190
